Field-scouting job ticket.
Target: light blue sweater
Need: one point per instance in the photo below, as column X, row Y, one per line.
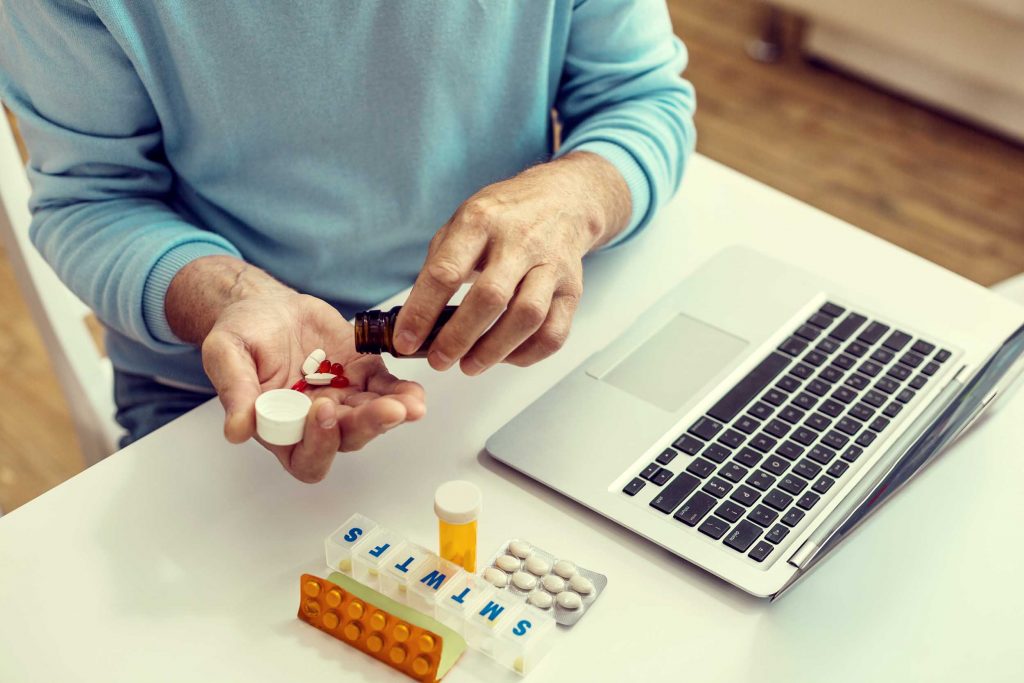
column 324, row 141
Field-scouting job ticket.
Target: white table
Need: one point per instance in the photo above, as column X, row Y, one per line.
column 178, row 558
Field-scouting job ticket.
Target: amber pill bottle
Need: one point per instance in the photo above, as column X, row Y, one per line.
column 374, row 331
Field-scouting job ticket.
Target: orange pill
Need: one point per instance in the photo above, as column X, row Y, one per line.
column 334, row 597
column 426, row 642
column 355, row 609
column 311, row 588
column 420, row 665
column 401, row 633
column 352, row 631
column 311, row 608
column 330, row 620
column 375, row 642
column 378, row 621
column 397, row 654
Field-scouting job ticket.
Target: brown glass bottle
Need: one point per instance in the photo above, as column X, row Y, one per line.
column 374, row 331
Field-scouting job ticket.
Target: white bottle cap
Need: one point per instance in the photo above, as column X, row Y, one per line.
column 458, row 502
column 281, row 416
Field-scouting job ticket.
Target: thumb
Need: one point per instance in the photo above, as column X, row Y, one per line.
column 230, row 367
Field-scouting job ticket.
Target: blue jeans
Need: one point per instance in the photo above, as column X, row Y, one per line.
column 144, row 405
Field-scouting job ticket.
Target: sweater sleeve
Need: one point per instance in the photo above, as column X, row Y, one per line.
column 621, row 96
column 100, row 181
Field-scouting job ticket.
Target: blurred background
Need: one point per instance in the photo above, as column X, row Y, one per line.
column 904, row 118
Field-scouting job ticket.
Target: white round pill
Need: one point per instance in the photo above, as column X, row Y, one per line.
column 581, row 584
column 496, row 577
column 553, row 584
column 507, row 563
column 524, row 581
column 565, row 569
column 567, row 600
column 536, row 565
column 520, row 549
column 320, row 378
column 540, row 599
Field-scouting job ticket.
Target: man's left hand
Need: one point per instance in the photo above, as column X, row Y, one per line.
column 526, row 237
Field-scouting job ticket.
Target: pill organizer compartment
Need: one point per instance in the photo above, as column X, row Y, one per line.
column 461, row 594
column 338, row 546
column 430, row 582
column 372, row 554
column 397, row 574
column 488, row 617
column 524, row 640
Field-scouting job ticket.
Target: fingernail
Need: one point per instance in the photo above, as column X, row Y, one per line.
column 472, row 366
column 406, row 342
column 325, row 417
column 392, row 424
column 440, row 359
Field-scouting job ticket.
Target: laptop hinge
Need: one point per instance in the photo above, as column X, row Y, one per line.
column 803, row 554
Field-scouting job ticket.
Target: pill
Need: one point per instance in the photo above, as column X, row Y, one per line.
column 568, row 600
column 553, row 584
column 564, row 568
column 339, row 382
column 581, row 584
column 318, row 355
column 540, row 599
column 300, row 385
column 337, row 369
column 507, row 563
column 537, row 565
column 325, row 366
column 524, row 581
column 520, row 549
column 310, row 365
column 319, row 379
column 496, row 577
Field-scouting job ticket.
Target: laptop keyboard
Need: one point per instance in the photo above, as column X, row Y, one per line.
column 747, row 472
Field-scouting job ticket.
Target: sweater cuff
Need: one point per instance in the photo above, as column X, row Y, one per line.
column 154, row 292
column 634, row 175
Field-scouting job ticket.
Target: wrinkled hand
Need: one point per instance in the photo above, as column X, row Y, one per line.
column 526, row 237
column 258, row 341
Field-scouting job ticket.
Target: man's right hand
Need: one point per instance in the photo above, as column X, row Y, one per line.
column 255, row 333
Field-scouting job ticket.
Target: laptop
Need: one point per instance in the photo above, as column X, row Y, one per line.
column 752, row 417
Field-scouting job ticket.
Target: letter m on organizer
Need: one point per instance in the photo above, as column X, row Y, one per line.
column 492, row 611
column 434, row 579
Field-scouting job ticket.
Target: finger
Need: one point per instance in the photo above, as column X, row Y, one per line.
column 231, row 369
column 526, row 313
column 409, row 394
column 551, row 335
column 360, row 425
column 311, row 458
column 486, row 300
column 359, row 398
column 444, row 270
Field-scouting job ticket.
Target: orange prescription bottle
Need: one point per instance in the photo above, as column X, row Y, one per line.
column 457, row 505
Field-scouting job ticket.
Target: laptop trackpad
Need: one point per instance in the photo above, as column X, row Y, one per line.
column 675, row 363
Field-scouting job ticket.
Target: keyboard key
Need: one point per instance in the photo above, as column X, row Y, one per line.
column 789, row 384
column 821, row 455
column 899, row 372
column 763, row 442
column 823, row 484
column 775, row 397
column 667, row 456
column 905, row 396
column 669, row 498
column 818, row 388
column 804, row 436
column 856, row 349
column 882, row 356
column 873, row 332
column 807, row 469
column 804, row 400
column 857, row 381
column 761, row 410
column 716, row 452
column 912, row 359
column 866, row 438
column 831, row 374
column 748, row 457
column 922, row 347
column 744, row 495
column 820, row 320
column 847, row 327
column 930, row 369
column 775, row 464
column 633, row 487
column 792, row 414
column 761, row 480
column 792, row 484
column 793, row 517
column 897, row 340
column 717, row 487
column 943, row 355
column 695, row 508
column 852, row 453
column 835, row 440
column 802, row 370
column 875, row 398
column 808, row 332
column 701, row 467
column 688, row 444
column 742, row 536
column 662, row 477
column 731, row 438
column 838, row 469
column 844, row 395
column 862, row 411
column 705, row 428
column 887, row 385
column 730, row 405
column 844, row 361
column 778, row 500
column 815, row 358
column 730, row 511
column 790, row 450
column 869, row 368
column 763, row 515
column 777, row 428
column 848, row 426
column 649, row 471
column 761, row 551
column 777, row 534
column 827, row 346
column 893, row 409
column 808, row 500
column 794, row 346
column 746, row 424
column 831, row 309
column 818, row 422
column 878, row 424
column 713, row 527
column 733, row 472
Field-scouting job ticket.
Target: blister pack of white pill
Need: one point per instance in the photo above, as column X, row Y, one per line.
column 550, row 583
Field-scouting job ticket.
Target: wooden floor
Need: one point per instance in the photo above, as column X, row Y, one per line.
column 912, row 176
